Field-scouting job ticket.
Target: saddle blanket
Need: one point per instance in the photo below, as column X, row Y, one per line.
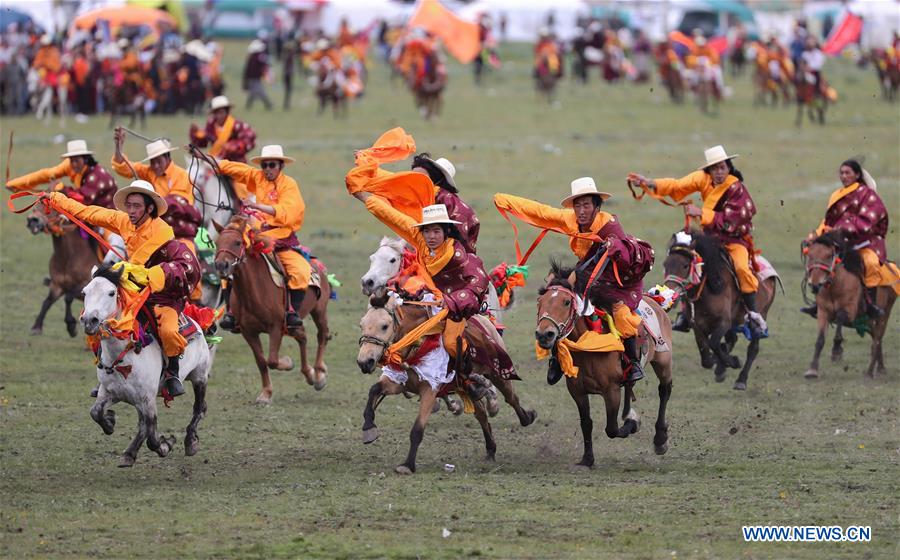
column 766, row 270
column 651, row 324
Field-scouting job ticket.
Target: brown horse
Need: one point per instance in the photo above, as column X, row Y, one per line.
column 329, row 88
column 428, row 89
column 259, row 307
column 545, row 78
column 809, row 96
column 834, row 272
column 70, row 264
column 716, row 298
column 387, row 322
column 888, row 71
column 600, row 373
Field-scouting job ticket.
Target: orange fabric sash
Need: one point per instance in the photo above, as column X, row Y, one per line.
column 433, row 325
column 712, row 199
column 437, row 263
column 222, row 137
column 589, row 341
column 841, row 193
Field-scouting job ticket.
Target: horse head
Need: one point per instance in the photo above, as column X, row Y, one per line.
column 231, row 245
column 37, row 221
column 385, row 264
column 557, row 306
column 100, row 297
column 681, row 261
column 380, row 328
column 825, row 253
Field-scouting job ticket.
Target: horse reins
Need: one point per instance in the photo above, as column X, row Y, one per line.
column 385, row 344
column 684, row 285
column 563, row 329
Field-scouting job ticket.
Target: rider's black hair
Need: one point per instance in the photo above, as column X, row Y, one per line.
column 732, row 170
column 425, row 161
column 856, row 167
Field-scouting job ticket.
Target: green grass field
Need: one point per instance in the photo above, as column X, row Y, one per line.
column 293, row 480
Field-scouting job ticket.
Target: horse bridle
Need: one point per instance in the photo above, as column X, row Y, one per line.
column 564, row 328
column 385, row 344
column 238, row 257
column 684, row 285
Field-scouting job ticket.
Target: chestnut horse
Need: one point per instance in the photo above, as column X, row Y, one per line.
column 70, row 264
column 718, row 310
column 385, row 323
column 428, row 89
column 600, row 373
column 834, row 272
column 259, row 307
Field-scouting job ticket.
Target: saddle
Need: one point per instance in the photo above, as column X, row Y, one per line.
column 278, row 274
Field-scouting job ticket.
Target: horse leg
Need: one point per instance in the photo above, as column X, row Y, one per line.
column 130, row 455
column 54, row 294
column 661, row 437
column 629, row 396
column 275, row 360
column 490, row 445
column 724, row 359
column 377, row 392
column 630, row 425
column 160, row 444
column 707, row 359
column 320, row 318
column 191, row 441
column 752, row 350
column 876, row 363
column 71, row 323
column 102, row 414
column 299, row 335
column 427, row 398
column 587, row 425
column 265, row 395
column 730, row 340
column 822, row 320
column 526, row 417
column 837, row 350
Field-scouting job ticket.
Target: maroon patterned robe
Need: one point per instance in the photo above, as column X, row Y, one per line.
column 632, row 257
column 242, row 140
column 182, row 270
column 733, row 216
column 97, row 188
column 183, row 216
column 461, row 212
column 463, row 282
column 862, row 216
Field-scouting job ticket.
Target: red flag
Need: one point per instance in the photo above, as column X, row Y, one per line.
column 844, row 34
column 459, row 36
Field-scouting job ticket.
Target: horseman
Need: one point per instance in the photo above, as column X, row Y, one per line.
column 859, row 213
column 547, row 57
column 703, row 51
column 172, row 271
column 814, row 59
column 227, row 137
column 442, row 173
column 727, row 214
column 92, row 185
column 169, row 181
column 279, row 205
column 621, row 281
column 48, row 61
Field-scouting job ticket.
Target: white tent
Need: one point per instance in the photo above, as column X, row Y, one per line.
column 525, row 17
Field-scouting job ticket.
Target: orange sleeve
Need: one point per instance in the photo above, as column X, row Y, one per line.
column 400, row 223
column 678, row 189
column 114, row 220
column 40, row 176
column 181, row 184
column 241, row 172
column 534, row 213
column 290, row 209
column 142, row 170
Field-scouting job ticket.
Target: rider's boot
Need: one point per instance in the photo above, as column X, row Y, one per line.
column 758, row 327
column 292, row 318
column 811, row 310
column 554, row 369
column 872, row 309
column 633, row 356
column 681, row 323
column 227, row 321
column 173, row 384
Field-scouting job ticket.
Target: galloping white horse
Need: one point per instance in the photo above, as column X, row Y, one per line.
column 386, row 262
column 134, row 378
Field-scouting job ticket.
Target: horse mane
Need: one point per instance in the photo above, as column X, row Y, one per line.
column 837, row 240
column 715, row 267
column 560, row 273
column 107, row 272
column 394, row 243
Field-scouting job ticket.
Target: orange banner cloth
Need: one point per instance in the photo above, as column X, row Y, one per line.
column 125, row 15
column 406, row 191
column 460, row 37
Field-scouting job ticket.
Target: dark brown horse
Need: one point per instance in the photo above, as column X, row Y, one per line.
column 600, row 373
column 70, row 264
column 888, row 71
column 717, row 306
column 258, row 305
column 385, row 323
column 834, row 273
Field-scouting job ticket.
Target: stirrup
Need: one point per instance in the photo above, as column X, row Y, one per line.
column 634, row 372
column 173, row 385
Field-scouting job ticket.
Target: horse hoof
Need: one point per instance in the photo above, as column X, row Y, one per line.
column 661, row 449
column 36, row 331
column 72, row 329
column 436, row 407
column 126, row 461
column 530, row 417
column 370, row 435
column 191, row 446
column 491, row 456
column 811, row 374
column 584, row 465
column 403, row 469
column 635, row 419
column 740, row 386
column 707, row 363
column 263, row 400
column 285, row 363
column 720, row 377
column 320, row 382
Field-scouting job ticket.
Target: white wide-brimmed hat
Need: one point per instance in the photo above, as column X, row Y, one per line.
column 446, row 168
column 219, row 102
column 583, row 186
column 158, row 148
column 715, row 155
column 869, row 180
column 256, row 46
column 272, row 151
column 76, row 148
column 140, row 187
column 435, row 214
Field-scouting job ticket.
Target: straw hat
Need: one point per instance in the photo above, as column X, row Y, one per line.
column 272, row 151
column 583, row 186
column 435, row 214
column 158, row 148
column 869, row 180
column 447, row 169
column 219, row 102
column 256, row 46
column 141, row 187
column 76, row 148
column 715, row 155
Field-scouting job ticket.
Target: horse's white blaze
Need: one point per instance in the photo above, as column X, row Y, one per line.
column 385, row 263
